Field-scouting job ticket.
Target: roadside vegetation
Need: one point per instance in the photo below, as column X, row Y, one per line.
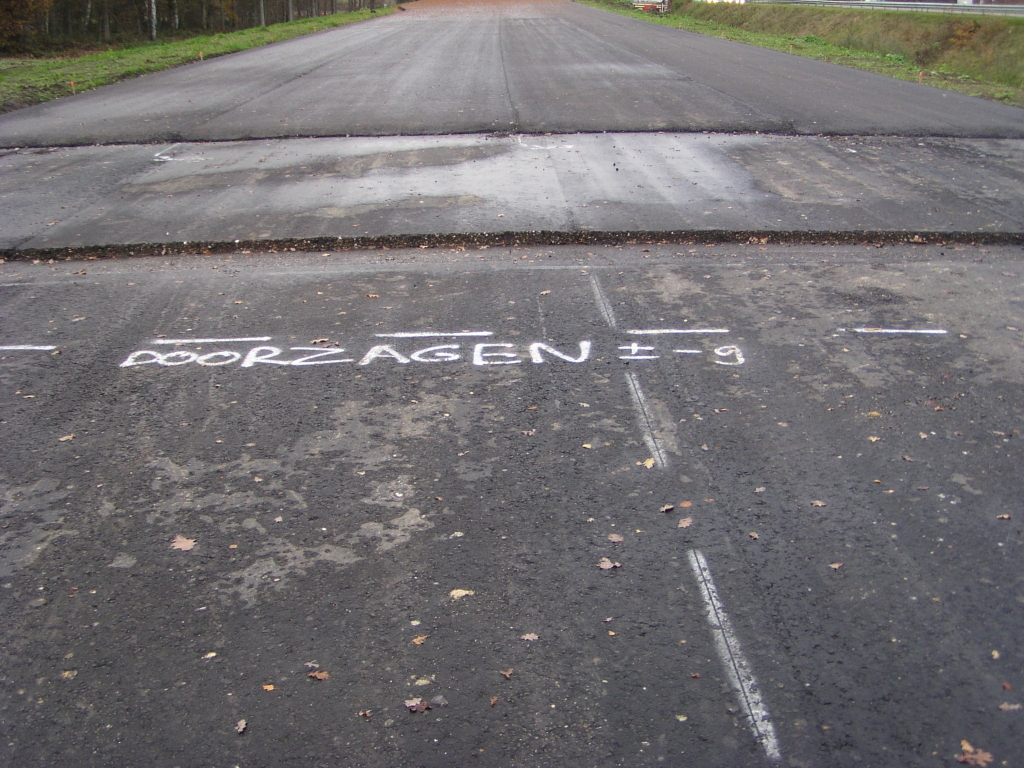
column 30, row 80
column 977, row 55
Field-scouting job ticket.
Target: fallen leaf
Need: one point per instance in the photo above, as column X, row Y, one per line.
column 417, row 705
column 874, row 415
column 874, row 438
column 239, row 302
column 529, row 637
column 615, row 537
column 180, row 542
column 67, row 437
column 685, row 522
column 695, row 675
column 528, row 432
column 818, row 503
column 704, row 447
column 682, row 718
column 506, row 673
column 972, row 756
column 649, row 463
column 209, row 655
column 423, row 681
column 531, row 407
column 544, row 293
column 606, row 565
column 240, row 727
column 753, row 535
column 1007, row 707
column 1007, row 687
column 995, row 655
column 923, row 435
column 922, row 487
column 373, row 295
column 420, row 640
column 906, row 458
column 318, row 341
column 457, row 594
column 70, row 674
column 610, row 633
column 667, row 508
column 760, row 489
column 311, row 665
column 364, row 713
column 1002, row 517
column 494, row 700
column 835, row 566
column 320, row 674
column 268, row 687
column 587, row 445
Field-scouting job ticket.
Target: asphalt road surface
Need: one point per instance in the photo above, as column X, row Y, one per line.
column 611, row 505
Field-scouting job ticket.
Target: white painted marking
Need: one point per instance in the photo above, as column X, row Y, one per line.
column 737, row 668
column 482, row 357
column 534, row 146
column 646, row 421
column 926, row 331
column 538, row 349
column 688, row 351
column 26, row 348
column 432, row 334
column 728, row 351
column 607, row 314
column 211, row 341
column 662, row 331
column 159, row 157
column 635, row 349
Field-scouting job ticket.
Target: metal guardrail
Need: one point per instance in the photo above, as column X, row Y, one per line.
column 991, row 10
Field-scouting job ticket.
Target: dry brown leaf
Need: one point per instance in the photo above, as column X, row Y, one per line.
column 753, row 535
column 649, row 463
column 318, row 341
column 1007, row 687
column 695, row 675
column 240, row 727
column 180, row 542
column 528, row 432
column 971, row 756
column 688, row 504
column 506, row 673
column 67, row 437
column 1002, row 517
column 531, row 407
column 268, row 687
column 494, row 700
column 905, row 457
column 615, row 537
column 606, row 565
column 874, row 438
column 364, row 713
column 835, row 566
column 417, row 705
column 667, row 508
column 1007, row 707
column 420, row 640
column 320, row 674
column 529, row 637
column 685, row 522
column 457, row 594
column 373, row 295
column 818, row 503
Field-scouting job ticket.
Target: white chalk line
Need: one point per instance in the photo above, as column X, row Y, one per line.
column 646, row 421
column 26, row 348
column 607, row 314
column 924, row 331
column 212, row 341
column 737, row 668
column 432, row 334
column 662, row 331
column 689, row 351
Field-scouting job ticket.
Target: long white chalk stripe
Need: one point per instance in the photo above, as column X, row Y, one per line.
column 646, row 421
column 662, row 331
column 737, row 668
column 607, row 314
column 27, row 347
column 212, row 341
column 688, row 351
column 431, row 334
column 930, row 331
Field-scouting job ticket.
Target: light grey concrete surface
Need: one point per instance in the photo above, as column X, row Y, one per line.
column 470, row 184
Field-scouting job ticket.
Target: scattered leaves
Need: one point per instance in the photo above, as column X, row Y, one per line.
column 240, row 727
column 667, row 508
column 268, row 687
column 685, row 522
column 420, row 640
column 1002, row 517
column 417, row 705
column 458, row 594
column 753, row 535
column 606, row 565
column 874, row 438
column 529, row 637
column 319, row 674
column 818, row 503
column 835, row 566
column 494, row 700
column 615, row 537
column 506, row 673
column 182, row 543
column 1007, row 707
column 972, row 756
column 67, row 437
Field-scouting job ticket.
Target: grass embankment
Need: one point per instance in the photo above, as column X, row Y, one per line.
column 978, row 55
column 25, row 81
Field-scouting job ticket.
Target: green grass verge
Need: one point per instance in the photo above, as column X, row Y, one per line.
column 980, row 56
column 25, row 81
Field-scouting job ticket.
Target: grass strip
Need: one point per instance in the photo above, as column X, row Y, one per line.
column 981, row 57
column 26, row 81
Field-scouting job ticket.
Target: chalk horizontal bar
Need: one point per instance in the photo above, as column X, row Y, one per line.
column 688, row 351
column 26, row 348
column 661, row 331
column 432, row 334
column 212, row 341
column 925, row 331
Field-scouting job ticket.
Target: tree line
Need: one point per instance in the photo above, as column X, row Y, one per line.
column 27, row 25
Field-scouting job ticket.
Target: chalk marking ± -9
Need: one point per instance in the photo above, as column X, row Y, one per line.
column 729, row 351
column 634, row 351
column 663, row 331
column 212, row 341
column 922, row 331
column 431, row 334
column 737, row 668
column 26, row 348
column 646, row 420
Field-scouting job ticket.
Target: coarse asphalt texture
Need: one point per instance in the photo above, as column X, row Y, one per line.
column 614, row 504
